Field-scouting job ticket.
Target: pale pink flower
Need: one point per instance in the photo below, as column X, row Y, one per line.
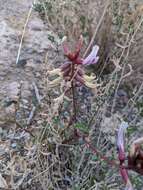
column 92, row 58
column 121, row 154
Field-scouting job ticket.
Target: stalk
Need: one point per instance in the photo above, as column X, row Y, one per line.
column 74, row 117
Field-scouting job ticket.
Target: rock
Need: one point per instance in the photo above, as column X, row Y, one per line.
column 37, row 41
column 6, row 31
column 13, row 91
column 25, row 90
column 31, row 64
column 14, row 145
column 7, row 115
column 33, row 48
column 36, row 24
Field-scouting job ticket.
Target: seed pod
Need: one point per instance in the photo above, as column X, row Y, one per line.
column 55, row 72
column 55, row 82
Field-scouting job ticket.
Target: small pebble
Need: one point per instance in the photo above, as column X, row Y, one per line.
column 14, row 145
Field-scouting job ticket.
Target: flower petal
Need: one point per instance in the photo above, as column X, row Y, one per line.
column 55, row 72
column 89, row 78
column 54, row 82
column 120, row 140
column 121, row 154
column 92, row 58
column 90, row 85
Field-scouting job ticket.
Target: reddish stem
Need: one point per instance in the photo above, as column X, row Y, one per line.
column 73, row 94
column 95, row 151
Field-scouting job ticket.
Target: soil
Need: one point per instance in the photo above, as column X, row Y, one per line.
column 18, row 78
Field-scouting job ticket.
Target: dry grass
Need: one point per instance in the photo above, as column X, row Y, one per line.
column 48, row 163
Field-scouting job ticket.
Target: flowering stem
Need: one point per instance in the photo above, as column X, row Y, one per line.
column 73, row 95
column 74, row 102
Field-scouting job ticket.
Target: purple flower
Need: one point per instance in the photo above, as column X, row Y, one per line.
column 121, row 154
column 73, row 69
column 120, row 140
column 92, row 58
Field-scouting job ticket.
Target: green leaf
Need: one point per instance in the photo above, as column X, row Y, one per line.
column 82, row 127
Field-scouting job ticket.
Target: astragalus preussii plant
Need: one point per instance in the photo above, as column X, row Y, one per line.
column 72, row 74
column 73, row 69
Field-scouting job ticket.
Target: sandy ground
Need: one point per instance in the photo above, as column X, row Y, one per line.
column 13, row 15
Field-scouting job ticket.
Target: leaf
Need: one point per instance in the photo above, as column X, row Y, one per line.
column 82, row 127
column 3, row 183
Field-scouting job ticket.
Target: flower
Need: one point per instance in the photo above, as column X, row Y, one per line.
column 72, row 69
column 121, row 154
column 120, row 140
column 92, row 58
column 74, row 57
column 89, row 78
column 55, row 72
column 55, row 82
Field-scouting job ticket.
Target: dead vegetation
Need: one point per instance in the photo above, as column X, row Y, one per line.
column 45, row 153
